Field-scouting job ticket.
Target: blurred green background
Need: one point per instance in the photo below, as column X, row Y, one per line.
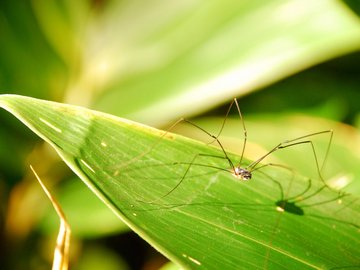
column 294, row 66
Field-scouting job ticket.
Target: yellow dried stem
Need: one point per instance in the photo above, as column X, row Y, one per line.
column 61, row 252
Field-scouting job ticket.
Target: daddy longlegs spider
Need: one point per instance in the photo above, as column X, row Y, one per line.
column 286, row 204
column 238, row 170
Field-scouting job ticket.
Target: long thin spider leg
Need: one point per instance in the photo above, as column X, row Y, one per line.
column 203, row 130
column 244, row 130
column 153, row 146
column 315, row 156
column 339, row 196
column 314, row 134
column 243, row 125
column 207, row 165
column 290, row 143
column 299, row 197
column 273, row 164
column 308, row 187
column 283, row 199
column 202, row 165
column 172, row 127
column 190, row 164
column 346, row 205
column 223, row 123
column 356, row 226
column 272, row 179
column 276, row 182
column 289, row 169
column 215, row 138
column 327, row 149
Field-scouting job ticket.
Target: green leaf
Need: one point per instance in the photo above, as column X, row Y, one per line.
column 207, row 52
column 190, row 54
column 212, row 220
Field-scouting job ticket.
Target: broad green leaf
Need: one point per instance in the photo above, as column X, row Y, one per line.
column 202, row 53
column 190, row 54
column 212, row 220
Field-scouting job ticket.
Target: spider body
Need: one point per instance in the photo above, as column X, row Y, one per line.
column 242, row 174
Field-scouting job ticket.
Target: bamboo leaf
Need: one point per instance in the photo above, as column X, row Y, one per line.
column 278, row 220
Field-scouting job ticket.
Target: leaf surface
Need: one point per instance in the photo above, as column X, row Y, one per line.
column 212, row 220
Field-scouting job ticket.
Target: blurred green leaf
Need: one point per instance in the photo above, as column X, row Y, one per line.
column 210, row 220
column 170, row 266
column 27, row 63
column 197, row 54
column 86, row 214
column 95, row 257
column 189, row 54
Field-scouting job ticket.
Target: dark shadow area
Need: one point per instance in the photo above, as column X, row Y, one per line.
column 354, row 5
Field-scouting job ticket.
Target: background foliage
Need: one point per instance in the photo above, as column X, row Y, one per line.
column 153, row 62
